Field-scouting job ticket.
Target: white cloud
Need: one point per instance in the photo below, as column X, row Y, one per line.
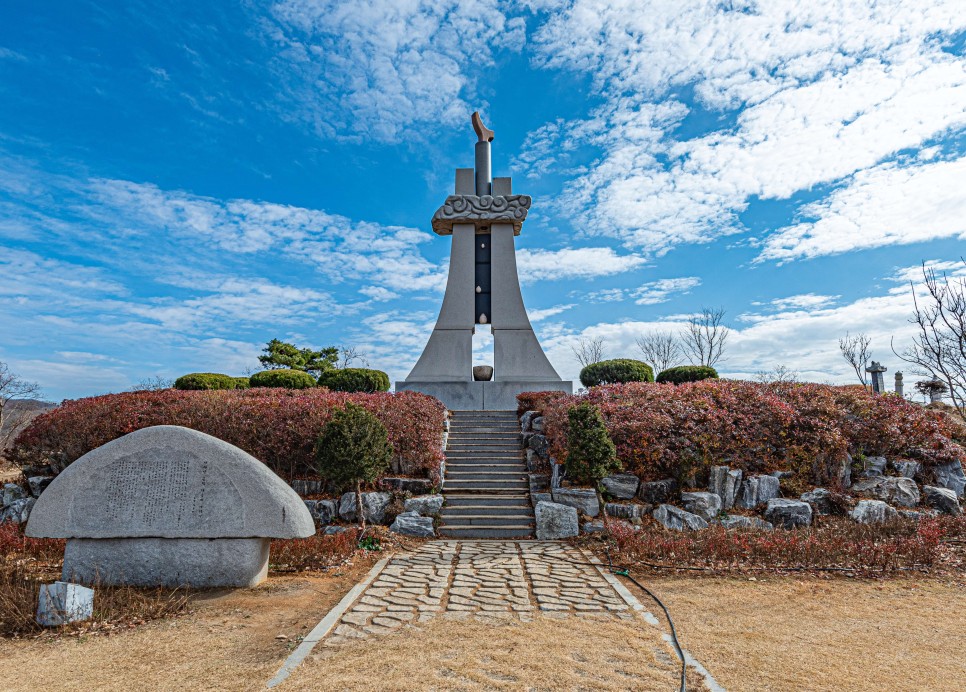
column 378, row 293
column 573, row 263
column 650, row 293
column 538, row 315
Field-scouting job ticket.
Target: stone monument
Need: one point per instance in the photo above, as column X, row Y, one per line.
column 168, row 506
column 483, row 217
column 899, row 387
column 878, row 381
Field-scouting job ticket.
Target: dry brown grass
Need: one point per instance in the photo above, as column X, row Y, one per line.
column 783, row 633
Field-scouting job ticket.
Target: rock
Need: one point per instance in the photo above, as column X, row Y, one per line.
column 593, row 526
column 656, row 492
column 540, row 497
column 416, row 486
column 556, row 474
column 11, row 493
column 537, row 424
column 756, row 490
column 781, row 474
column 942, row 499
column 950, row 475
column 917, row 515
column 526, row 419
column 821, row 500
column 873, row 466
column 539, row 482
column 677, row 519
column 333, row 530
column 623, row 486
column 705, row 505
column 62, row 602
column 38, row 484
column 907, row 469
column 788, row 514
column 540, row 445
column 726, row 484
column 322, row 511
column 584, row 500
column 168, row 506
column 306, row 487
column 555, row 521
column 736, row 521
column 534, row 462
column 374, row 505
column 424, row 505
column 892, row 489
column 873, row 512
column 412, row 524
column 18, row 511
column 844, row 475
column 622, row 511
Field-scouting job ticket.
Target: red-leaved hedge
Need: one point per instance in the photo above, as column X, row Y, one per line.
column 277, row 426
column 663, row 430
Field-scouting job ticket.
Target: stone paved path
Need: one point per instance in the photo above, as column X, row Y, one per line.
column 481, row 579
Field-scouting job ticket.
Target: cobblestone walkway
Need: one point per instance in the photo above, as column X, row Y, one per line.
column 480, row 579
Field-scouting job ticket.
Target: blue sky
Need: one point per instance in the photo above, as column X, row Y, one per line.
column 181, row 182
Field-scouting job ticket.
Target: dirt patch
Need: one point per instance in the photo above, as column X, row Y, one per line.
column 781, row 633
column 228, row 641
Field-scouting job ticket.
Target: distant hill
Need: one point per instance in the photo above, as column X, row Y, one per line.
column 17, row 414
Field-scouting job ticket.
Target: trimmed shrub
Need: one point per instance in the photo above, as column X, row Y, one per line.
column 277, row 426
column 687, row 373
column 206, row 381
column 355, row 380
column 286, row 379
column 590, row 453
column 616, row 371
column 241, row 382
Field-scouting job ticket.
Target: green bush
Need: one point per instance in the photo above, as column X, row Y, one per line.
column 207, row 380
column 288, row 379
column 355, row 380
column 687, row 373
column 241, row 382
column 353, row 448
column 591, row 454
column 616, row 371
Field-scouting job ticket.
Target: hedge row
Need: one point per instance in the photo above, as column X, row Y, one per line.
column 687, row 373
column 355, row 380
column 287, row 379
column 663, row 430
column 277, row 426
column 616, row 371
column 341, row 380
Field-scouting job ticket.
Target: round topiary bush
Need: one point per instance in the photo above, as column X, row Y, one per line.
column 687, row 373
column 616, row 371
column 206, row 380
column 288, row 379
column 241, row 382
column 355, row 380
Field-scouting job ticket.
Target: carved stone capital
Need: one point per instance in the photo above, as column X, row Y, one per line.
column 482, row 212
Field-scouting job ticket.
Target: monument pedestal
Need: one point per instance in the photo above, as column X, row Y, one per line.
column 500, row 395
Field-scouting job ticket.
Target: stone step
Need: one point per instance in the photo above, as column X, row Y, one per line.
column 496, row 413
column 498, row 435
column 484, row 459
column 477, row 466
column 475, row 488
column 484, row 426
column 456, row 500
column 486, row 520
column 489, row 510
column 483, row 445
column 484, row 532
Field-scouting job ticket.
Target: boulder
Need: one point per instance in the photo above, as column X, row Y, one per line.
column 534, row 462
column 625, row 511
column 705, row 505
column 540, row 445
column 555, row 521
column 62, row 602
column 726, row 484
column 917, row 515
column 582, row 499
column 756, row 490
column 844, row 475
column 736, row 521
column 374, row 505
column 18, row 511
column 333, row 530
column 657, row 492
column 950, row 475
column 873, row 466
column 873, row 512
column 11, row 493
column 623, row 486
column 424, row 505
column 907, row 469
column 677, row 519
column 540, row 497
column 38, row 484
column 322, row 511
column 526, row 419
column 537, row 424
column 416, row 486
column 942, row 499
column 168, row 506
column 412, row 524
column 539, row 482
column 595, row 526
column 892, row 489
column 788, row 514
column 821, row 500
column 306, row 487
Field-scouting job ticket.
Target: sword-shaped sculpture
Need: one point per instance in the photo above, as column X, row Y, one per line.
column 483, row 216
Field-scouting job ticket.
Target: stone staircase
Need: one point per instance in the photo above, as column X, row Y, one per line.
column 486, row 489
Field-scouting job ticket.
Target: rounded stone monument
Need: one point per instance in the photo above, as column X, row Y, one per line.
column 168, row 506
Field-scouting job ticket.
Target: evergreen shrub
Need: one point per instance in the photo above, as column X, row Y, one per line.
column 687, row 373
column 355, row 380
column 206, row 381
column 286, row 379
column 591, row 454
column 616, row 371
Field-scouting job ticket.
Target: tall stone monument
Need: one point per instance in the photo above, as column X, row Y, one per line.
column 483, row 216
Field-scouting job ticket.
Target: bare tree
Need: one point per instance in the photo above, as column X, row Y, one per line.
column 660, row 349
column 781, row 373
column 588, row 351
column 153, row 384
column 855, row 350
column 703, row 340
column 939, row 347
column 350, row 354
column 14, row 414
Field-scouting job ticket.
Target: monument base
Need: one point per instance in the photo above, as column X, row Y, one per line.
column 496, row 395
column 196, row 562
